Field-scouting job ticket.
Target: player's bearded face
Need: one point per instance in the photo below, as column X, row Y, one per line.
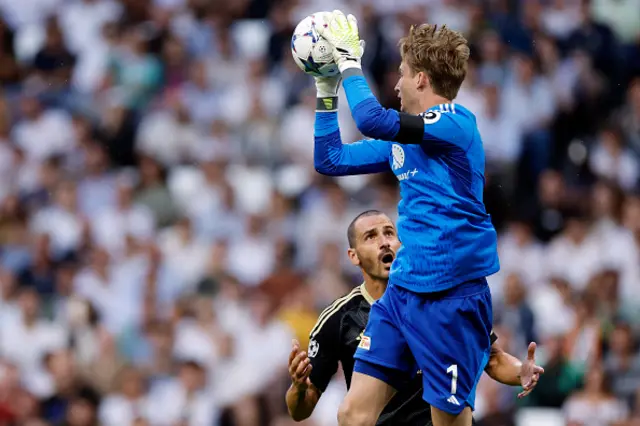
column 377, row 246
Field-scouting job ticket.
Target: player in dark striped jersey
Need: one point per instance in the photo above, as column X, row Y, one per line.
column 339, row 331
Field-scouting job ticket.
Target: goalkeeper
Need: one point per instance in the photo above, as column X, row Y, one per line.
column 437, row 309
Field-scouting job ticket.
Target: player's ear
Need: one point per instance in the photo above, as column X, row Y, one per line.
column 422, row 81
column 353, row 257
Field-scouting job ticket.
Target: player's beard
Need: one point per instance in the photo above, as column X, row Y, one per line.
column 373, row 267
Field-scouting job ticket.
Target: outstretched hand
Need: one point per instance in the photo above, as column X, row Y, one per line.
column 299, row 367
column 529, row 372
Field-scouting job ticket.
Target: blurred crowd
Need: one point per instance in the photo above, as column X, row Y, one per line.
column 164, row 236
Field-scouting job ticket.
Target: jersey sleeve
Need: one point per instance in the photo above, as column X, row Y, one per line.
column 375, row 121
column 333, row 158
column 324, row 350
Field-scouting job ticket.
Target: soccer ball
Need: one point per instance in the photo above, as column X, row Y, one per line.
column 312, row 53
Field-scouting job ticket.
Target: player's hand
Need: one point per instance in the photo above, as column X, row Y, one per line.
column 529, row 372
column 299, row 367
column 327, row 87
column 342, row 33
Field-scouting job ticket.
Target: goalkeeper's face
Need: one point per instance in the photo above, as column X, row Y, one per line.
column 375, row 246
column 409, row 87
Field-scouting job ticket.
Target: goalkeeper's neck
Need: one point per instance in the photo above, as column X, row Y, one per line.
column 427, row 100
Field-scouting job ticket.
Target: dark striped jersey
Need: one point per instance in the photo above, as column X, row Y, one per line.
column 334, row 340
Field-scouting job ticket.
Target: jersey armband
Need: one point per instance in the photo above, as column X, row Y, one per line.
column 327, row 104
column 411, row 129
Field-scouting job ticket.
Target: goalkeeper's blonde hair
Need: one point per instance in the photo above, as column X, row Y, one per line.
column 439, row 52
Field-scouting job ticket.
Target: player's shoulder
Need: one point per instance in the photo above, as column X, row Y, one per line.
column 449, row 113
column 330, row 318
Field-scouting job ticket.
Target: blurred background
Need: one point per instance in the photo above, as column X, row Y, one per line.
column 164, row 236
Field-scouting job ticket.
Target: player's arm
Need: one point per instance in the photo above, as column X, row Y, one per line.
column 312, row 371
column 375, row 121
column 333, row 158
column 509, row 370
column 372, row 119
column 302, row 396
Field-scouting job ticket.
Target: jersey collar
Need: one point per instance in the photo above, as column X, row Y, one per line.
column 366, row 295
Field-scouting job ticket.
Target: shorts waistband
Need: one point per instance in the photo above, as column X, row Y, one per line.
column 465, row 289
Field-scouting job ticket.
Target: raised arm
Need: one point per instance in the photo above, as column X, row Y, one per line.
column 302, row 396
column 312, row 370
column 437, row 128
column 372, row 119
column 333, row 158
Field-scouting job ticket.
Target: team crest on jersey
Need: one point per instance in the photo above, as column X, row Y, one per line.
column 398, row 157
column 431, row 117
column 314, row 347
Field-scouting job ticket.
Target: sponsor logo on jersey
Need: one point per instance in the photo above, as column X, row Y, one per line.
column 365, row 343
column 431, row 117
column 407, row 175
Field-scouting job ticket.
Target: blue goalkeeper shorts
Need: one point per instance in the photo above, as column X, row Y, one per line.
column 446, row 335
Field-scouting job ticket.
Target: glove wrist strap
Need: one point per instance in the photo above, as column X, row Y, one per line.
column 327, row 104
column 349, row 64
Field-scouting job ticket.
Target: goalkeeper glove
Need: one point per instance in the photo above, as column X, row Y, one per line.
column 342, row 33
column 327, row 93
column 327, row 87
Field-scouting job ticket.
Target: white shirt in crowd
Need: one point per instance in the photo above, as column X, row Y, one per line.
column 539, row 101
column 188, row 259
column 170, row 404
column 501, row 138
column 577, row 263
column 111, row 226
column 117, row 410
column 26, row 346
column 621, row 168
column 82, row 23
column 49, row 134
column 591, row 413
column 251, row 259
column 62, row 226
column 527, row 261
column 118, row 297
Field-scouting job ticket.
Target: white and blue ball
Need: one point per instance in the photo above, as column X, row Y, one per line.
column 312, row 53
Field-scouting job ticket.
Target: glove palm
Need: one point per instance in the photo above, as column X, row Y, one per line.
column 342, row 33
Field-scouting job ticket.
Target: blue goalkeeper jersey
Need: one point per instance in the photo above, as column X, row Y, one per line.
column 447, row 236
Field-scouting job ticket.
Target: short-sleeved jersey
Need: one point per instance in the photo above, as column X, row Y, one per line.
column 334, row 340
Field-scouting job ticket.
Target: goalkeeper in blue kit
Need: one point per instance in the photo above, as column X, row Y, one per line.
column 436, row 315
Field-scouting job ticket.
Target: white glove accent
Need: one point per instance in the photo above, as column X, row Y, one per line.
column 327, row 87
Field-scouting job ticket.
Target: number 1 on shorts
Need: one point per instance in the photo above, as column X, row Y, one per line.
column 453, row 369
